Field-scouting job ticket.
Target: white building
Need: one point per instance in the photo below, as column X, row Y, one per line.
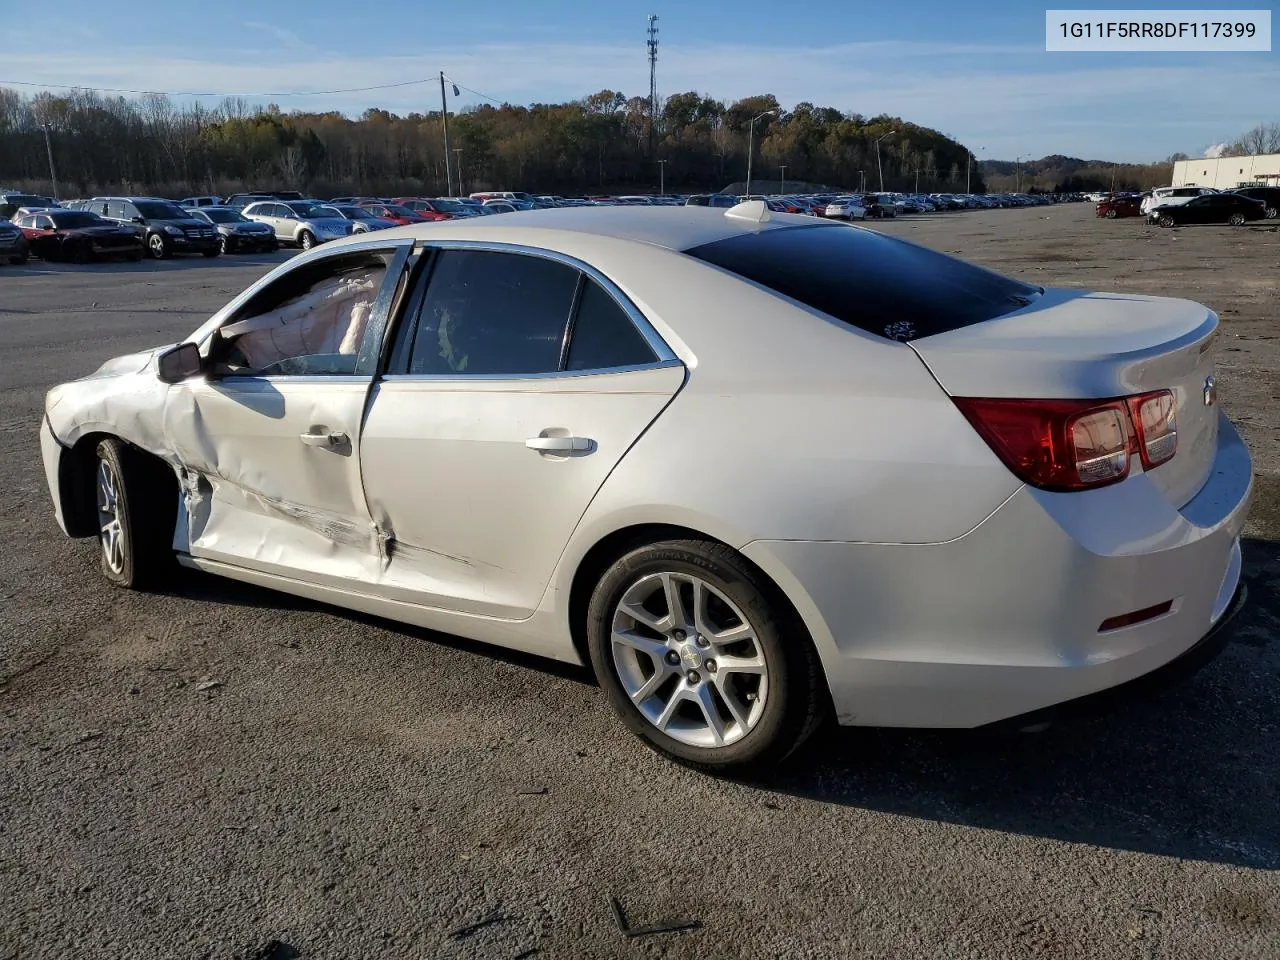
column 1224, row 173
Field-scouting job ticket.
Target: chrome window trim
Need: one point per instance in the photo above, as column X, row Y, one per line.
column 659, row 346
column 236, row 379
column 550, row 375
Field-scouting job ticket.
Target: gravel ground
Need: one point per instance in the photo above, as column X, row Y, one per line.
column 226, row 772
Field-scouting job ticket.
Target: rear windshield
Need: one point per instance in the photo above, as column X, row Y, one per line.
column 874, row 282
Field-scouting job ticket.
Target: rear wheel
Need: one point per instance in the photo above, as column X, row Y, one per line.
column 701, row 659
column 306, row 240
column 136, row 513
column 157, row 246
column 1111, row 214
column 1271, row 213
column 1236, row 219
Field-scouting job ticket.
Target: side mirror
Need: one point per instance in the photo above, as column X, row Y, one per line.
column 179, row 363
column 139, row 220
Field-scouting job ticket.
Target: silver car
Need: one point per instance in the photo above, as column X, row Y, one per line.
column 362, row 220
column 300, row 222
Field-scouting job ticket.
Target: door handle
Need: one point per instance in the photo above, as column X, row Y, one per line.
column 558, row 444
column 323, row 439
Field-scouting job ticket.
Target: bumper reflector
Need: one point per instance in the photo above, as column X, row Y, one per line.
column 1129, row 619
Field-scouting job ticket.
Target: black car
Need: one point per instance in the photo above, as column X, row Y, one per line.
column 166, row 227
column 1269, row 197
column 78, row 236
column 13, row 245
column 238, row 233
column 1210, row 208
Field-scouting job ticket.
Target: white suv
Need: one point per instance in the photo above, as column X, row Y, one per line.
column 1171, row 197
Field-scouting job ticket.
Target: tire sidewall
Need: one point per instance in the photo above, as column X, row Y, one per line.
column 306, row 240
column 110, row 451
column 775, row 733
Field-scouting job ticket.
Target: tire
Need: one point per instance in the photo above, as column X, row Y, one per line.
column 215, row 252
column 273, row 246
column 1271, row 213
column 136, row 516
column 18, row 261
column 158, row 246
column 1166, row 221
column 1111, row 214
column 79, row 253
column 306, row 239
column 776, row 707
column 1236, row 220
column 223, row 245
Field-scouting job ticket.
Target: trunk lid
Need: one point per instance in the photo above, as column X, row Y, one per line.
column 1073, row 345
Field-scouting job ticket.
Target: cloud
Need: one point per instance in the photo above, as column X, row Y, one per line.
column 287, row 37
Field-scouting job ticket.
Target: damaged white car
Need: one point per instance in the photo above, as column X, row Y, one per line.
column 757, row 470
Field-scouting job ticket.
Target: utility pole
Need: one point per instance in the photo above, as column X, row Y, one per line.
column 662, row 178
column 751, row 141
column 862, row 181
column 1017, row 169
column 967, row 164
column 782, row 180
column 48, row 146
column 457, row 157
column 878, row 166
column 444, row 113
column 652, row 44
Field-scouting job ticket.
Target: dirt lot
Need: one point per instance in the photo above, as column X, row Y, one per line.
column 351, row 788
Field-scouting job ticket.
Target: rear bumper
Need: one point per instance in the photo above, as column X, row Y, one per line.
column 1005, row 620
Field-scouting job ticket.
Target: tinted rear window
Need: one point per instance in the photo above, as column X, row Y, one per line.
column 876, row 283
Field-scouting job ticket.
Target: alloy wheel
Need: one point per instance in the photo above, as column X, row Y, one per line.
column 689, row 659
column 1236, row 219
column 155, row 244
column 111, row 533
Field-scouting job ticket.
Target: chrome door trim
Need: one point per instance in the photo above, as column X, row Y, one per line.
column 498, row 377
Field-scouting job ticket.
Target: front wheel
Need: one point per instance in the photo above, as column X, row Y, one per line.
column 700, row 657
column 157, row 246
column 1236, row 219
column 306, row 239
column 1165, row 220
column 1271, row 213
column 1111, row 214
column 135, row 517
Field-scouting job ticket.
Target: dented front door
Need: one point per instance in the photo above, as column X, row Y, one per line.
column 272, row 474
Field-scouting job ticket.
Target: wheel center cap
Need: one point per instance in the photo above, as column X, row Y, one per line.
column 690, row 656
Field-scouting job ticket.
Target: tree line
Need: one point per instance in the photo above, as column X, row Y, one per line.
column 598, row 144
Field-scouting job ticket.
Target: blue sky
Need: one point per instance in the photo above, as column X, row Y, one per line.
column 978, row 72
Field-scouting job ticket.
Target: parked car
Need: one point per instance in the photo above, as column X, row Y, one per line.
column 78, row 236
column 166, row 228
column 1172, row 196
column 845, row 208
column 877, row 205
column 1120, row 205
column 363, row 219
column 241, row 200
column 499, row 206
column 207, row 201
column 14, row 247
column 1210, row 208
column 993, row 518
column 237, row 233
column 440, row 208
column 300, row 222
column 1269, row 197
column 398, row 215
column 11, row 203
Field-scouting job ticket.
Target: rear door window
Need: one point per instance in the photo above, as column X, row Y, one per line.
column 603, row 335
column 879, row 284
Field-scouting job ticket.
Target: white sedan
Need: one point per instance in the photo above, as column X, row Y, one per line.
column 758, row 470
column 847, row 208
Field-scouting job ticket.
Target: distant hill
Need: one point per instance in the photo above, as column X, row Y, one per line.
column 1058, row 172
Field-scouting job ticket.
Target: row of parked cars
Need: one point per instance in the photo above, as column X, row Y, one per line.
column 1176, row 206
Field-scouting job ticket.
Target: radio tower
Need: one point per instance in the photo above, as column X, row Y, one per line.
column 653, row 78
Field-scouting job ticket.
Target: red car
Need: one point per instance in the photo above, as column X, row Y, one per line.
column 78, row 236
column 422, row 208
column 1120, row 206
column 393, row 211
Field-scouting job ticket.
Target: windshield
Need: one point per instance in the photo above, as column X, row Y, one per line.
column 74, row 219
column 157, row 210
column 304, row 209
column 448, row 206
column 874, row 282
column 224, row 216
column 398, row 211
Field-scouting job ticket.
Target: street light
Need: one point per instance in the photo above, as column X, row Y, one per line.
column 967, row 164
column 862, row 180
column 782, row 180
column 1017, row 169
column 662, row 178
column 751, row 138
column 878, row 167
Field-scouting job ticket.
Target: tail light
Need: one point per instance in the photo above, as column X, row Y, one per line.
column 1076, row 444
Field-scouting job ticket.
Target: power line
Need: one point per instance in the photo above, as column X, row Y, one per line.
column 192, row 93
column 485, row 96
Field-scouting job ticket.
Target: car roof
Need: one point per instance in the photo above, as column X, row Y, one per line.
column 673, row 228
